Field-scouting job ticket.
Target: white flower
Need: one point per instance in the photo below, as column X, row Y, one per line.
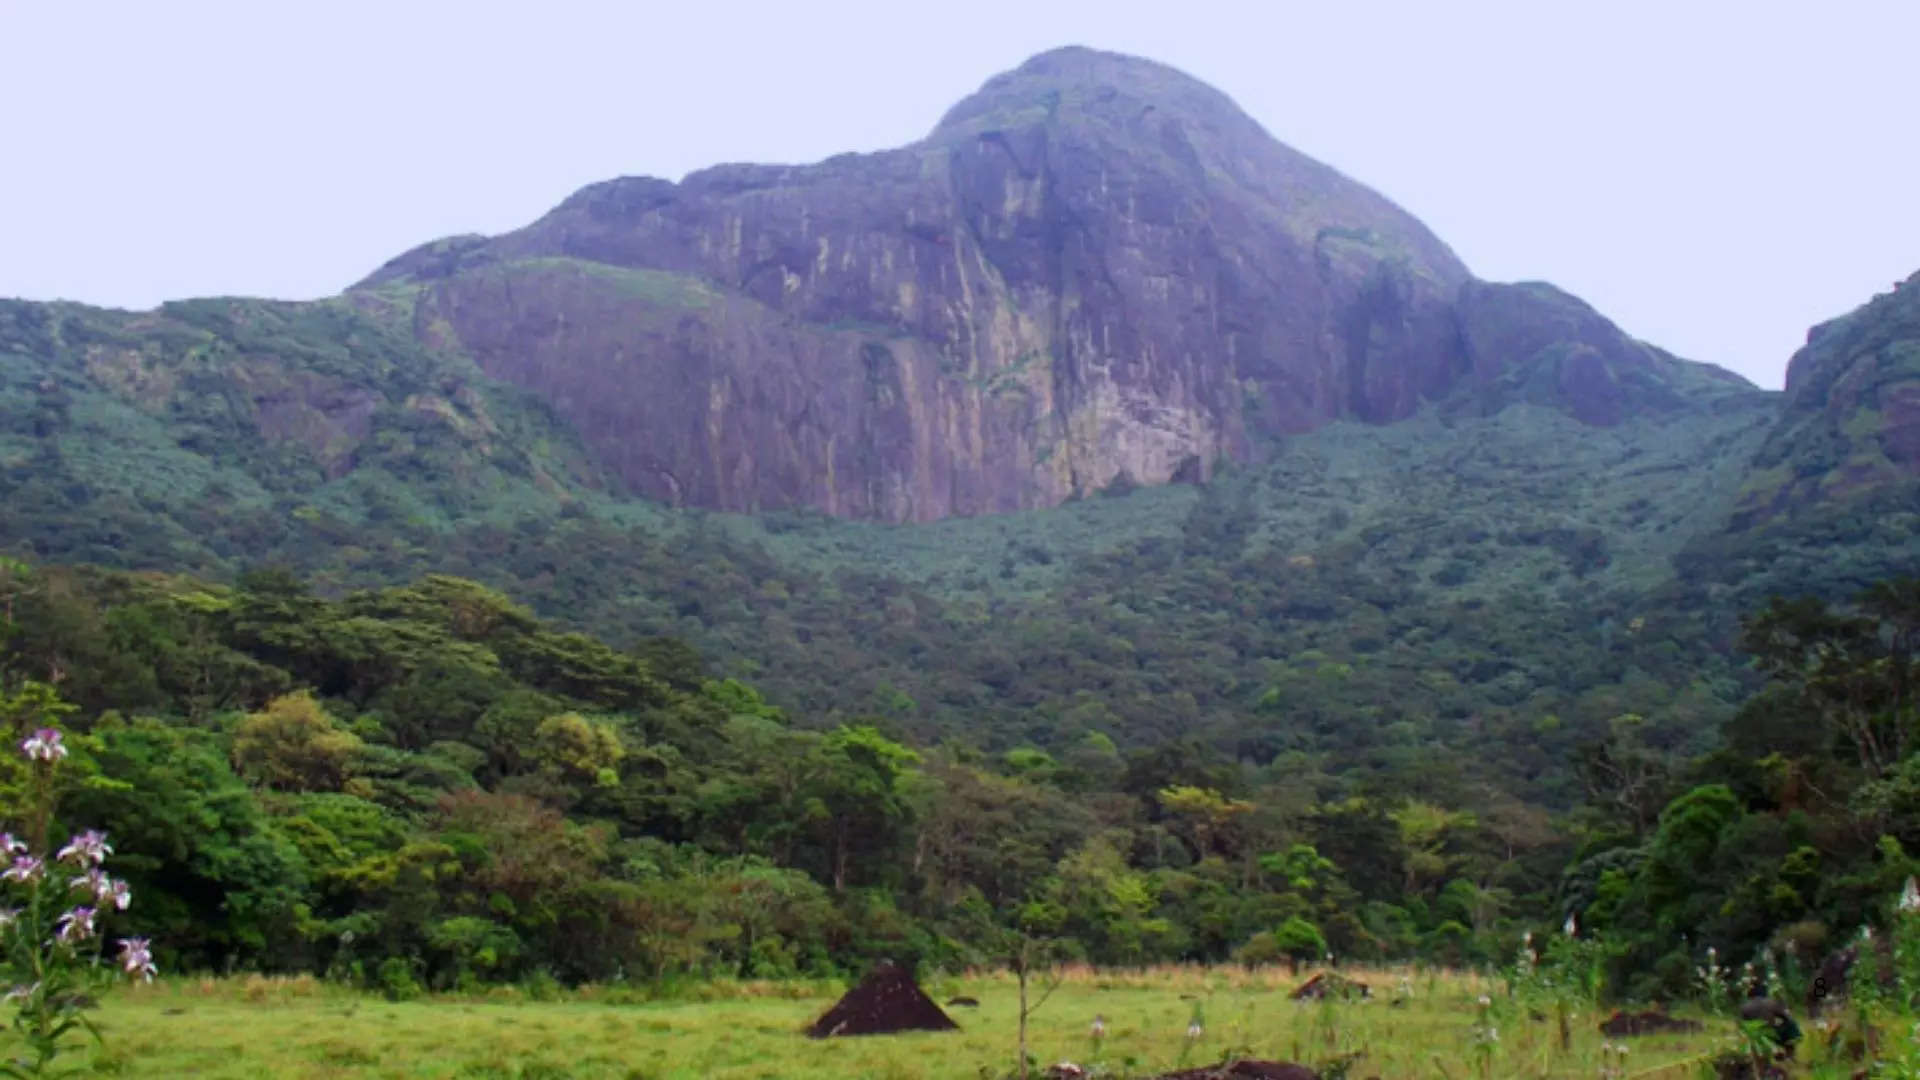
column 105, row 890
column 1193, row 1030
column 1910, row 897
column 19, row 992
column 136, row 957
column 10, row 846
column 90, row 848
column 1099, row 1025
column 44, row 745
column 25, row 868
column 1571, row 926
column 76, row 925
column 1485, row 1001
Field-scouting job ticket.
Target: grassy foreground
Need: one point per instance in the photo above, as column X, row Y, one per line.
column 252, row 1028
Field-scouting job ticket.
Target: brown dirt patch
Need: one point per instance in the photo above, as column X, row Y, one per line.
column 1246, row 1070
column 1650, row 1022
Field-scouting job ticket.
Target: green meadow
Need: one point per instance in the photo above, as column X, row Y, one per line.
column 249, row 1028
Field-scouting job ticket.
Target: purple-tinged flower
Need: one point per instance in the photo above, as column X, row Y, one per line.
column 10, row 846
column 90, row 848
column 24, row 868
column 104, row 889
column 19, row 992
column 44, row 745
column 76, row 925
column 136, row 957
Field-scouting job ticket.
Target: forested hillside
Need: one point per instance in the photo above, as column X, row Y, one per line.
column 426, row 784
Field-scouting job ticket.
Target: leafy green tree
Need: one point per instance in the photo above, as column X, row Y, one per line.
column 579, row 749
column 220, row 883
column 293, row 745
column 1299, row 940
column 855, row 795
column 1854, row 671
column 1208, row 815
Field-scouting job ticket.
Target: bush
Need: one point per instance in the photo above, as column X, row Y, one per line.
column 1262, row 948
column 396, row 979
column 1300, row 939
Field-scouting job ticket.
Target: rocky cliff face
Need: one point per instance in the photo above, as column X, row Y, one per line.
column 1851, row 421
column 1095, row 268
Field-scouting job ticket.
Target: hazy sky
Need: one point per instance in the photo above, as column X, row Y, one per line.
column 1713, row 176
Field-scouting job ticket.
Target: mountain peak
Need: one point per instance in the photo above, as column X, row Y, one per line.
column 1089, row 81
column 1095, row 267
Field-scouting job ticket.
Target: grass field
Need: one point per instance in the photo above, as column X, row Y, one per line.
column 250, row 1028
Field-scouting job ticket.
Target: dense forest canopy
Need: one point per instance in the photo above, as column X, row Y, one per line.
column 428, row 785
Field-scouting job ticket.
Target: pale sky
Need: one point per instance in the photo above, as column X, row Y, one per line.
column 1715, row 177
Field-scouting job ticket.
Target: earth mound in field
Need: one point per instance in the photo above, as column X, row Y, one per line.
column 1650, row 1022
column 886, row 1001
column 1327, row 984
column 1246, row 1070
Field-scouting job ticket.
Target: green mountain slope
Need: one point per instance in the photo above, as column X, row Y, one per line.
column 215, row 430
column 1831, row 500
column 1471, row 584
column 1557, row 526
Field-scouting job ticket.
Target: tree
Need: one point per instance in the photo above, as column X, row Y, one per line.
column 293, row 745
column 217, row 878
column 1298, row 940
column 1426, row 832
column 1301, row 868
column 579, row 749
column 1625, row 774
column 1207, row 814
column 1854, row 671
column 856, row 794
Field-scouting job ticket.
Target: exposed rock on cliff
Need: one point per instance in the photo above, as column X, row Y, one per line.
column 1094, row 269
column 1851, row 422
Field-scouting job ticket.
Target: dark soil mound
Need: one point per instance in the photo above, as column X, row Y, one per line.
column 1651, row 1022
column 1246, row 1070
column 1328, row 982
column 887, row 1000
column 1737, row 1066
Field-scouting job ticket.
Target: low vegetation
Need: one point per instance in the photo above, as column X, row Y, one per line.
column 246, row 1028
